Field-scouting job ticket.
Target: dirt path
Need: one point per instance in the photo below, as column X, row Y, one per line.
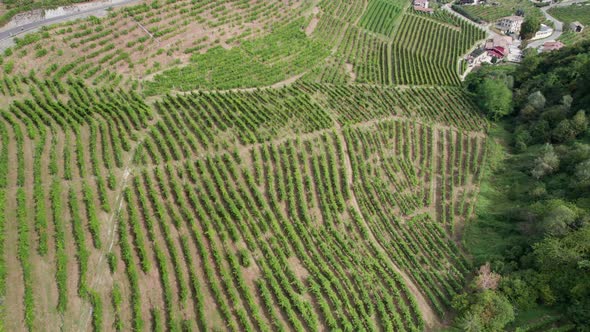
column 350, row 70
column 431, row 320
column 102, row 270
column 313, row 23
column 277, row 85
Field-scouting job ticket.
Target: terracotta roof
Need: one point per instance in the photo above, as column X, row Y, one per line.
column 513, row 18
column 422, row 9
column 552, row 45
column 496, row 53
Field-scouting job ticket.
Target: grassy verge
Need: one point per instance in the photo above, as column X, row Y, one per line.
column 489, row 234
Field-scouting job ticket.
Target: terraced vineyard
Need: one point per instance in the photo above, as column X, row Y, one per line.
column 273, row 194
column 426, row 51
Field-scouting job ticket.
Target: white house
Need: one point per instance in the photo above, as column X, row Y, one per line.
column 544, row 32
column 510, row 24
column 469, row 2
column 422, row 6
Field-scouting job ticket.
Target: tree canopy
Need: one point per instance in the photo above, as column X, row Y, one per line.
column 494, row 98
column 538, row 191
column 529, row 27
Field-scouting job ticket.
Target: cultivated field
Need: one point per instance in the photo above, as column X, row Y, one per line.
column 287, row 165
column 495, row 10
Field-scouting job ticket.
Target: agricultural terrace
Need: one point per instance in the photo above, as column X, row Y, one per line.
column 569, row 14
column 495, row 10
column 422, row 49
column 280, row 179
column 133, row 42
column 575, row 12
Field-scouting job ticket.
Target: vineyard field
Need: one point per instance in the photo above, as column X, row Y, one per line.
column 238, row 165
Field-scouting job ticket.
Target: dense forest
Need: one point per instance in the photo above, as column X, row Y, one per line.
column 531, row 236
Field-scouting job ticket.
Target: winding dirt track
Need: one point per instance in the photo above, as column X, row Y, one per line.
column 430, row 318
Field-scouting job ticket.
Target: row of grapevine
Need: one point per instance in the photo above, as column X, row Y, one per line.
column 408, row 170
column 381, row 16
column 368, row 54
column 241, row 211
column 114, row 48
column 426, row 51
column 357, row 103
column 347, row 11
column 195, row 123
column 214, row 207
column 275, row 57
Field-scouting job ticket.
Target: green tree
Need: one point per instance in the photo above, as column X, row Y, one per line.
column 582, row 173
column 580, row 122
column 564, row 132
column 546, row 163
column 529, row 27
column 519, row 292
column 537, row 100
column 495, row 98
column 470, row 322
column 490, row 311
column 565, row 263
column 557, row 219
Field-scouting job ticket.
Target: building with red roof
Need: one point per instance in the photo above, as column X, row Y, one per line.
column 498, row 52
column 551, row 46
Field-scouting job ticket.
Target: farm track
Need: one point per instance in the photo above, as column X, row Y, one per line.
column 102, row 270
column 431, row 319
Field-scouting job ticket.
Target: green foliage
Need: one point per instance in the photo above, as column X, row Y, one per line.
column 565, row 264
column 568, row 14
column 8, row 66
column 112, row 261
column 529, row 27
column 537, row 212
column 519, row 291
column 243, row 257
column 285, row 52
column 546, row 163
column 486, row 311
column 494, row 98
column 500, row 8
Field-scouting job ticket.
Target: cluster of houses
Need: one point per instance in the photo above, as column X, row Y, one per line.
column 511, row 25
column 506, row 47
column 493, row 50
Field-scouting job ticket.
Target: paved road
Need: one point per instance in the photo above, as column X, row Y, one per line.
column 558, row 24
column 484, row 26
column 9, row 34
column 557, row 31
